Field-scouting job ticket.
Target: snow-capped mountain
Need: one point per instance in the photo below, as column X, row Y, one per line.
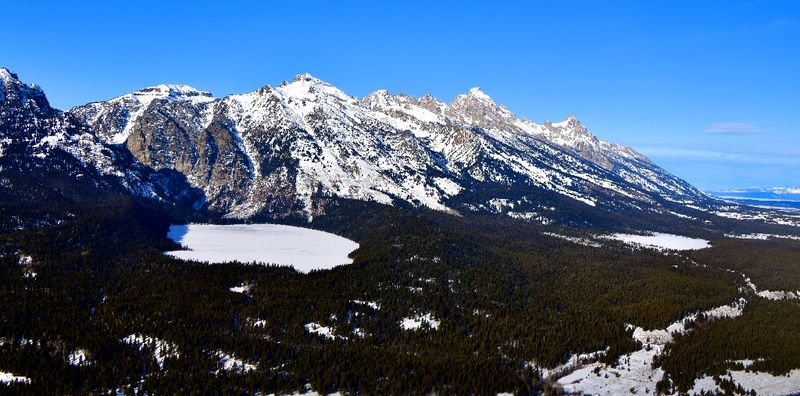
column 286, row 149
column 48, row 153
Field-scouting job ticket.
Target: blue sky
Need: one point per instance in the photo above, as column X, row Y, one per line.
column 710, row 90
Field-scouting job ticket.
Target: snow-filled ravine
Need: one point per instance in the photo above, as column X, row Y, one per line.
column 302, row 248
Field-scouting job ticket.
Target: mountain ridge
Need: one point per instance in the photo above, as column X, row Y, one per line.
column 285, row 150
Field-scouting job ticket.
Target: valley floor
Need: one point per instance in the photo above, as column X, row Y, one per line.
column 431, row 303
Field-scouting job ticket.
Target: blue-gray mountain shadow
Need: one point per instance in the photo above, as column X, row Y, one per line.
column 177, row 232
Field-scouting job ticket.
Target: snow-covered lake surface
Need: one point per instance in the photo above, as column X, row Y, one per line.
column 662, row 241
column 302, row 248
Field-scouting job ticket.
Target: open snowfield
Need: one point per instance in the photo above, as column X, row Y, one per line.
column 634, row 373
column 302, row 248
column 762, row 383
column 662, row 241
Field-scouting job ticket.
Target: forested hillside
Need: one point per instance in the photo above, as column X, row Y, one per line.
column 505, row 300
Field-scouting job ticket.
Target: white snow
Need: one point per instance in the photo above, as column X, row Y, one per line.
column 359, row 332
column 260, row 323
column 243, row 288
column 663, row 336
column 307, row 391
column 447, row 186
column 634, row 372
column 767, row 216
column 161, row 349
column 779, row 294
column 683, row 216
column 230, row 363
column 383, row 147
column 574, row 362
column 417, row 321
column 78, row 358
column 372, row 304
column 7, row 378
column 138, row 102
column 661, row 241
column 320, row 330
column 772, row 294
column 577, row 240
column 763, row 237
column 746, row 362
column 477, row 93
column 762, row 383
column 304, row 249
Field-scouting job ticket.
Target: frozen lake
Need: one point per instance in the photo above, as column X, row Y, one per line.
column 662, row 241
column 302, row 248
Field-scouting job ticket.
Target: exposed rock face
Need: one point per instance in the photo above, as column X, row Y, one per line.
column 284, row 150
column 52, row 153
column 18, row 97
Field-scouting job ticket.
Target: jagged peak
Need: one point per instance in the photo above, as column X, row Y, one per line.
column 428, row 97
column 475, row 96
column 7, row 75
column 174, row 91
column 307, row 77
column 306, row 86
column 425, row 108
column 381, row 97
column 15, row 93
column 171, row 92
column 569, row 122
column 476, row 92
column 431, row 102
column 177, row 88
column 384, row 97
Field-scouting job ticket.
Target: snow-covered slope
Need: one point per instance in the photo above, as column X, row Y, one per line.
column 46, row 150
column 277, row 150
column 114, row 119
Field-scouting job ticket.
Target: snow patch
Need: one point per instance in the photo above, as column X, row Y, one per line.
column 8, row 378
column 779, row 295
column 160, row 349
column 320, row 330
column 243, row 288
column 447, row 186
column 260, row 323
column 372, row 304
column 634, row 373
column 762, row 383
column 230, row 363
column 772, row 294
column 78, row 358
column 416, row 322
column 762, row 237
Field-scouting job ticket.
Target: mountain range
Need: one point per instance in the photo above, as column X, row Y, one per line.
column 288, row 150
